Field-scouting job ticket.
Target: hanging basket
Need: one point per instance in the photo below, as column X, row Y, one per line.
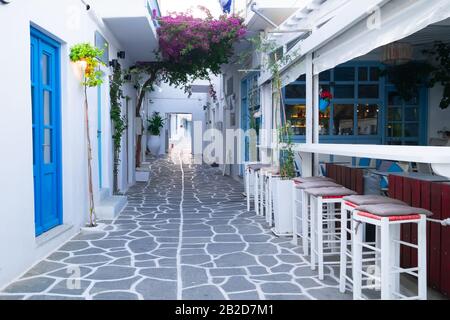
column 323, row 105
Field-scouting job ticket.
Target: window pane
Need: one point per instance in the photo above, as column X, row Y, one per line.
column 394, row 130
column 47, row 146
column 344, row 74
column 47, row 108
column 394, row 99
column 368, row 119
column 325, row 76
column 302, row 78
column 45, row 69
column 411, row 130
column 370, row 91
column 344, row 92
column 414, row 100
column 296, row 91
column 343, row 119
column 363, row 74
column 395, row 114
column 411, row 114
column 32, row 104
column 374, row 74
column 324, row 122
column 296, row 114
column 34, row 151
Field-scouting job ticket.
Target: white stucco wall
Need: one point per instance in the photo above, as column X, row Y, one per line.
column 68, row 22
column 174, row 100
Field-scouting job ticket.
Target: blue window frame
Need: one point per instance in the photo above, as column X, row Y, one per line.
column 362, row 110
column 250, row 103
column 46, row 131
column 356, row 112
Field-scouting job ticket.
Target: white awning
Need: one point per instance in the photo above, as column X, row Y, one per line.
column 394, row 21
column 293, row 72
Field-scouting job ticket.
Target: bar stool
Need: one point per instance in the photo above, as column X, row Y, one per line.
column 389, row 218
column 251, row 178
column 348, row 205
column 311, row 179
column 301, row 201
column 267, row 175
column 324, row 212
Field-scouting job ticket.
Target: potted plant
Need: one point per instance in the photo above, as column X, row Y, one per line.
column 155, row 124
column 283, row 187
column 87, row 57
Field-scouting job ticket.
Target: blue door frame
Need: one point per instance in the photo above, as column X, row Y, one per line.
column 46, row 129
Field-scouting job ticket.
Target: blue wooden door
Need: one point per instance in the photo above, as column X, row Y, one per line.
column 45, row 92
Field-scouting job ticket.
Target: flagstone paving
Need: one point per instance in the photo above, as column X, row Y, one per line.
column 184, row 235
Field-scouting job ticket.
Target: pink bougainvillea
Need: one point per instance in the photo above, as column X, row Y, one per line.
column 184, row 39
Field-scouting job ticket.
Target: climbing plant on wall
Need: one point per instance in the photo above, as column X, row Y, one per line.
column 87, row 57
column 190, row 49
column 118, row 121
column 441, row 72
column 272, row 61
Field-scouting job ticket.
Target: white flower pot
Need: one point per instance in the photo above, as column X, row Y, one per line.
column 154, row 145
column 282, row 205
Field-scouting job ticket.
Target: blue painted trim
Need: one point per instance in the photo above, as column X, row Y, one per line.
column 99, row 136
column 41, row 40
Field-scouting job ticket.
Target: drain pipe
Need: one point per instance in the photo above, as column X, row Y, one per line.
column 253, row 8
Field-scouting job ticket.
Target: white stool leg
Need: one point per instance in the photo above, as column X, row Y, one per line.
column 304, row 198
column 313, row 231
column 247, row 186
column 294, row 215
column 385, row 257
column 357, row 238
column 269, row 201
column 422, row 257
column 266, row 197
column 256, row 192
column 395, row 257
column 320, row 237
column 262, row 179
column 344, row 245
column 378, row 245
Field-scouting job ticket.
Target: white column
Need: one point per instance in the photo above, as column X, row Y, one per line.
column 315, row 119
column 307, row 157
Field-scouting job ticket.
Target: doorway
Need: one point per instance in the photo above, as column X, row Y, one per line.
column 179, row 132
column 46, row 126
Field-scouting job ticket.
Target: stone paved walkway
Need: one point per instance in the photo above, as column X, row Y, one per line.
column 185, row 235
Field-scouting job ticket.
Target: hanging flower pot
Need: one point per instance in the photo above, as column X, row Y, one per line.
column 323, row 105
column 325, row 99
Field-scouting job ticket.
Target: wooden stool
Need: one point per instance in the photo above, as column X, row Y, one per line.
column 251, row 179
column 266, row 175
column 301, row 209
column 348, row 205
column 324, row 212
column 388, row 218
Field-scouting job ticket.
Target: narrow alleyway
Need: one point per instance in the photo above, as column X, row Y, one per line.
column 185, row 235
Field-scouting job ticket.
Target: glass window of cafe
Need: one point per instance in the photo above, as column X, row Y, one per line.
column 355, row 109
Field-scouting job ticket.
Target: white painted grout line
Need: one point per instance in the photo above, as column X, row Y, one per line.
column 180, row 240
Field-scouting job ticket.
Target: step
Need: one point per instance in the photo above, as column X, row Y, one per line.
column 110, row 207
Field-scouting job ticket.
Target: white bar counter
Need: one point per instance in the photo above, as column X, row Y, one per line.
column 438, row 157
